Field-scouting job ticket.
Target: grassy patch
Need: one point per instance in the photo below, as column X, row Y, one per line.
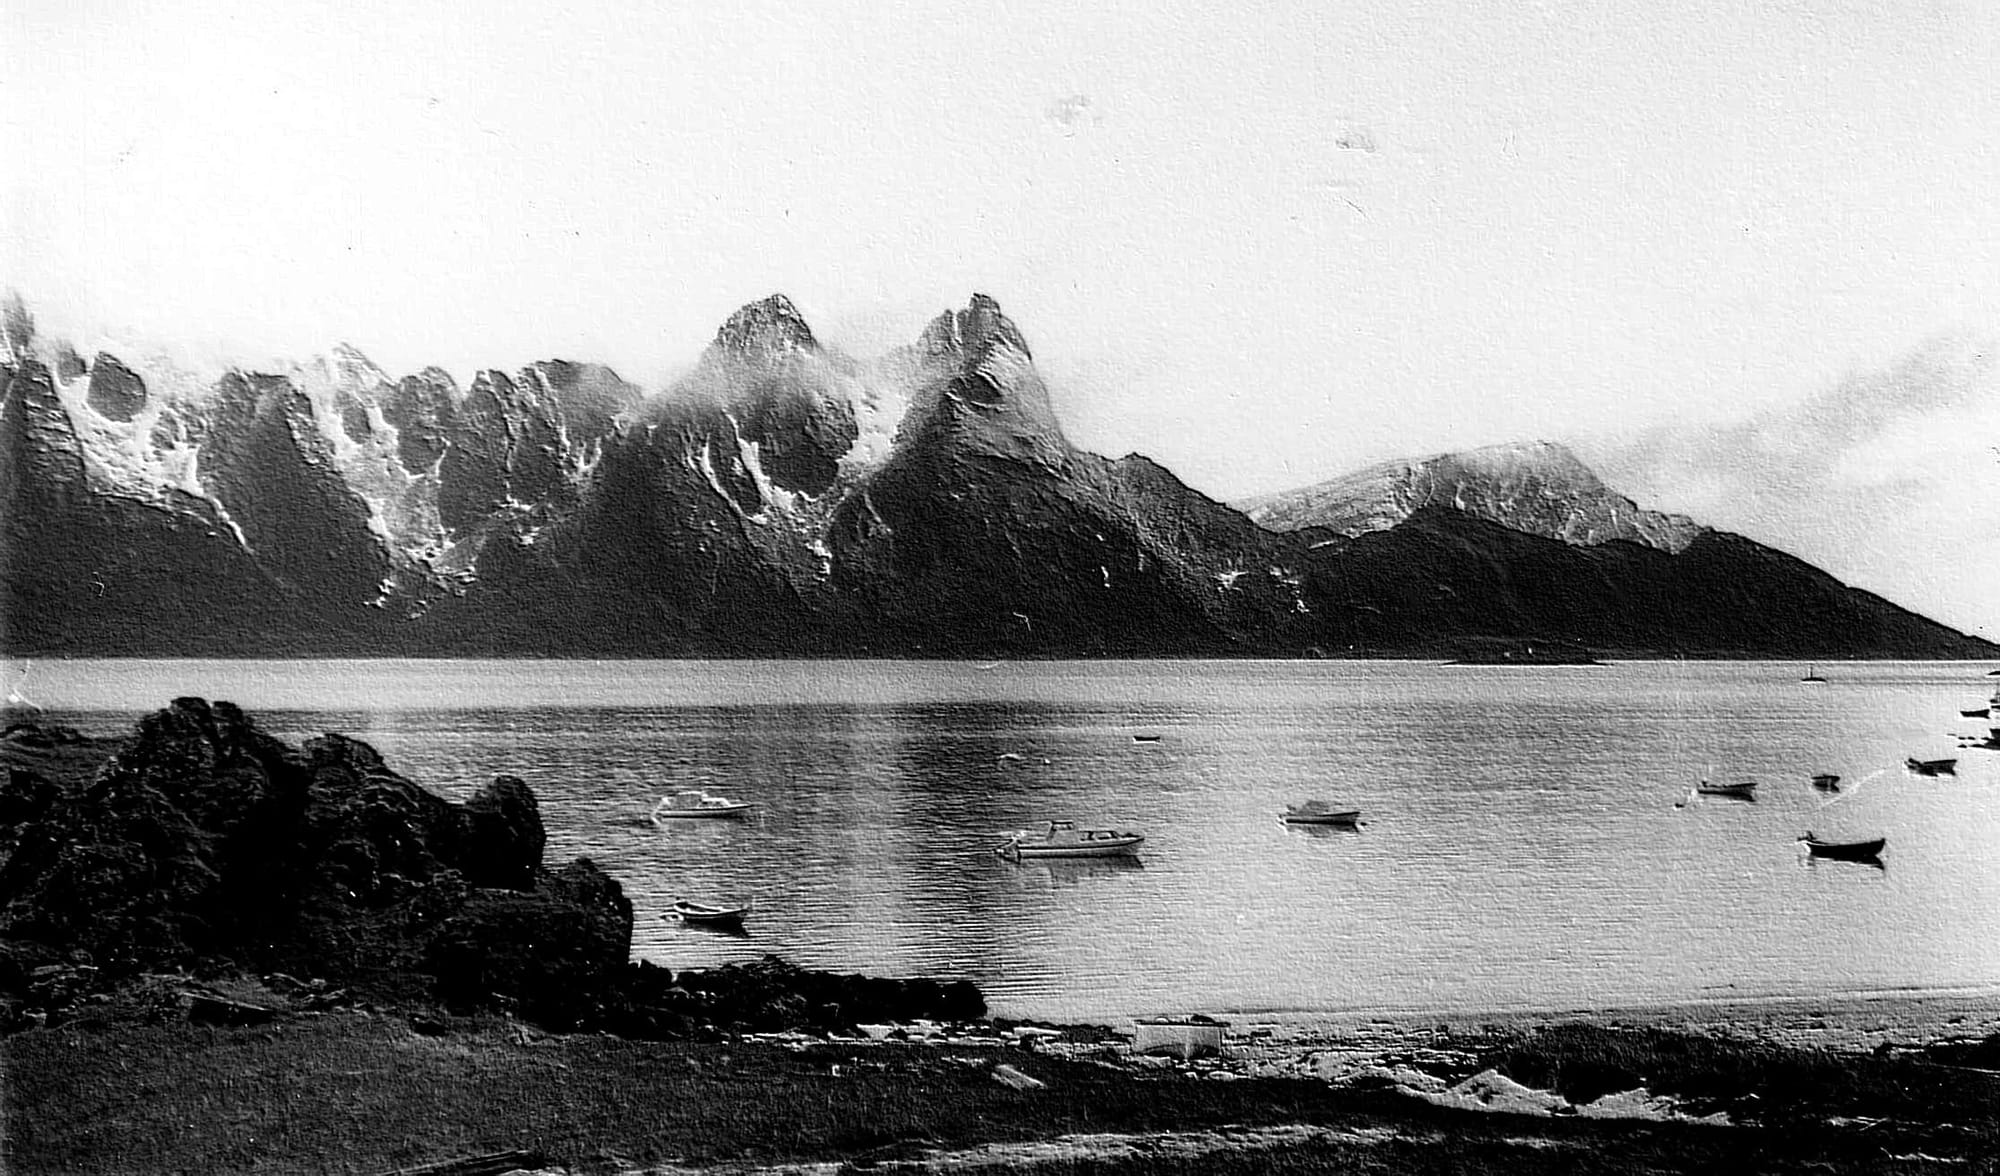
column 353, row 1092
column 376, row 1095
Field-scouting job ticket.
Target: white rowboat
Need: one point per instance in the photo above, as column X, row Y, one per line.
column 1064, row 839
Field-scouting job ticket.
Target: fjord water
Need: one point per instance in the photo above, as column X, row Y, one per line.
column 1530, row 840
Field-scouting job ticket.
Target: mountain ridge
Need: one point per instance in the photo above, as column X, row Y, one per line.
column 783, row 499
column 1539, row 487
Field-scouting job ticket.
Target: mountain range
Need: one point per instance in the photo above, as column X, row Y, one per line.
column 784, row 498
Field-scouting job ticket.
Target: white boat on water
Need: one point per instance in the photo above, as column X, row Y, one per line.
column 690, row 911
column 693, row 802
column 1064, row 839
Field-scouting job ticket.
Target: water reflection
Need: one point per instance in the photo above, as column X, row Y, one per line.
column 720, row 930
column 1053, row 872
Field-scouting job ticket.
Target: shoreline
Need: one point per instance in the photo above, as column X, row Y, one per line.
column 1910, row 1010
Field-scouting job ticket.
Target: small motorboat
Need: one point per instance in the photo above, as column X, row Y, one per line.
column 1145, row 738
column 1064, row 839
column 1846, row 851
column 1936, row 767
column 709, row 915
column 1812, row 675
column 1318, row 812
column 1981, row 713
column 693, row 802
column 1826, row 782
column 1746, row 790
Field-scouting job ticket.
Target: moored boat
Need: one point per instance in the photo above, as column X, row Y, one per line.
column 1743, row 790
column 693, row 802
column 1826, row 782
column 1145, row 738
column 1318, row 812
column 1846, row 851
column 1982, row 712
column 1936, row 767
column 701, row 912
column 1064, row 839
column 1812, row 675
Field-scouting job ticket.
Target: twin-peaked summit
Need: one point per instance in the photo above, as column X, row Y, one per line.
column 786, row 498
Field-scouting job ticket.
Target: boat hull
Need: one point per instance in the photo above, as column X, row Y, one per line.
column 1742, row 792
column 702, row 814
column 706, row 914
column 1852, row 851
column 1117, row 849
column 1350, row 818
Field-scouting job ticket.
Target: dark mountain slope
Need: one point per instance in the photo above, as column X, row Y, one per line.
column 1442, row 576
column 84, row 571
column 986, row 532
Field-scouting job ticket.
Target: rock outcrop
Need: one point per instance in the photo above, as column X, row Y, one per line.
column 204, row 846
column 207, row 843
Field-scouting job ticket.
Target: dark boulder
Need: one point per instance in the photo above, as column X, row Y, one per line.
column 772, row 994
column 503, row 835
column 206, row 842
column 553, row 950
column 369, row 835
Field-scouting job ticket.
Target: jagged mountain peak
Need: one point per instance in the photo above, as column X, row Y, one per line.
column 770, row 325
column 980, row 392
column 979, row 328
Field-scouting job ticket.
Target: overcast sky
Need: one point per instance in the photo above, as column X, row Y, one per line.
column 1265, row 244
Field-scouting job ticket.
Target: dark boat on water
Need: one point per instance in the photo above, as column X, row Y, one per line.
column 1318, row 812
column 1845, row 851
column 1747, row 790
column 1982, row 712
column 1826, row 782
column 1812, row 675
column 1145, row 738
column 1936, row 767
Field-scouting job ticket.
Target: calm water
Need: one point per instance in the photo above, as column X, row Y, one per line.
column 1523, row 847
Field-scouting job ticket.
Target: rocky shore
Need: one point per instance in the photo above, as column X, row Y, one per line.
column 220, row 952
column 204, row 848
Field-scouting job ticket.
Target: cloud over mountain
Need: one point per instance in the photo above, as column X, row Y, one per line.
column 1889, row 478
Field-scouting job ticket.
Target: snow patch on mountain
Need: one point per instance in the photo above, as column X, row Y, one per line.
column 403, row 509
column 120, row 457
column 770, row 495
column 1540, row 488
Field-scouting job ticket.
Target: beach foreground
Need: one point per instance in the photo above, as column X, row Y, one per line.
column 166, row 1086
